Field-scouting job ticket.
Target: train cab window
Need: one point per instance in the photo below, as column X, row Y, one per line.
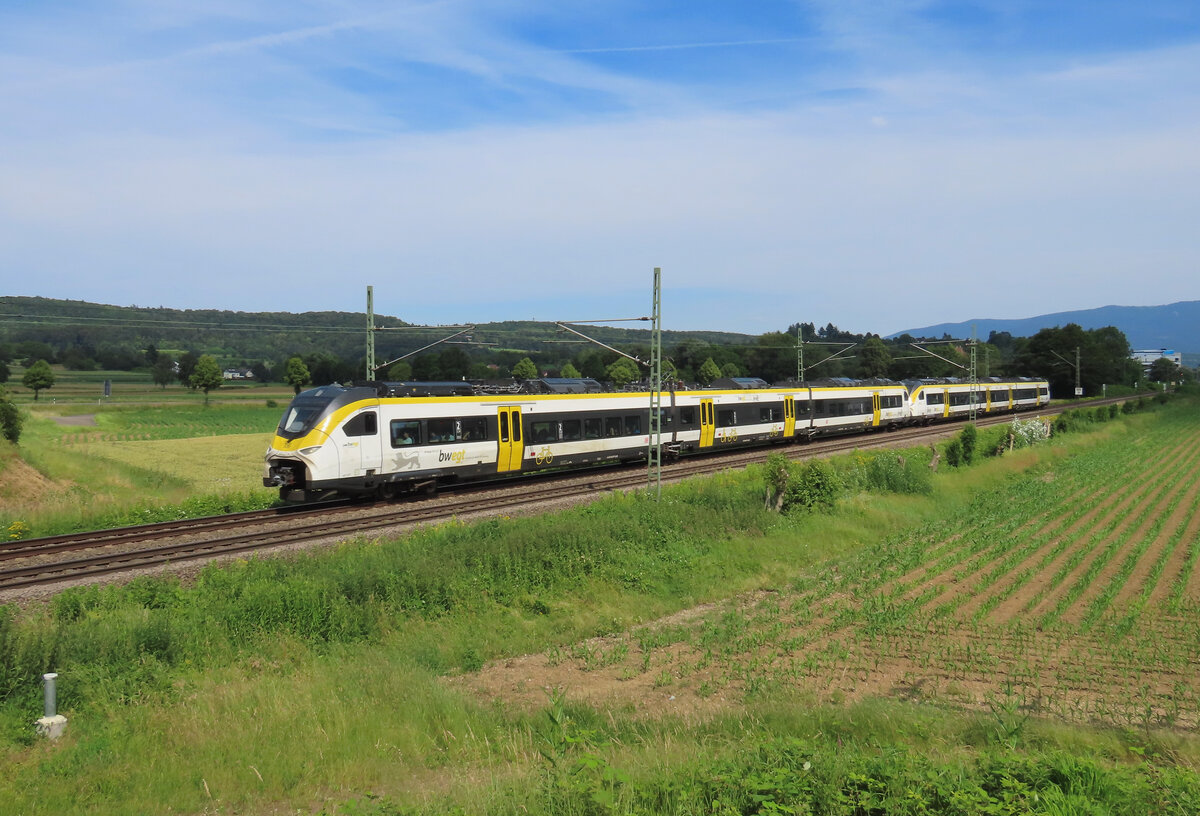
column 404, row 432
column 572, row 429
column 633, row 425
column 472, row 429
column 441, row 430
column 593, row 428
column 541, row 432
column 726, row 417
column 365, row 424
column 612, row 426
column 687, row 416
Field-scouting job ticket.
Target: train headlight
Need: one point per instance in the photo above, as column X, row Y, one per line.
column 310, row 451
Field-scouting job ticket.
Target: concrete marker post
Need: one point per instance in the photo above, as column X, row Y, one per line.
column 53, row 725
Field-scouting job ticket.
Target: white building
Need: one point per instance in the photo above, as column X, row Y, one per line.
column 1147, row 357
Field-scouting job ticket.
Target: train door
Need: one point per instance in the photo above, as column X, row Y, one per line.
column 512, row 448
column 946, row 402
column 371, row 443
column 707, row 425
column 875, row 409
column 789, row 417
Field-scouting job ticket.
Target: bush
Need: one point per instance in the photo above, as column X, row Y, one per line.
column 10, row 420
column 815, row 487
column 969, row 437
column 954, row 452
column 897, row 474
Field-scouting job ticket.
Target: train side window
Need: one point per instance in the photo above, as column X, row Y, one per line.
column 664, row 418
column 405, row 432
column 633, row 425
column 472, row 429
column 726, row 417
column 803, row 407
column 365, row 424
column 593, row 428
column 543, row 431
column 687, row 416
column 572, row 429
column 612, row 426
column 440, row 430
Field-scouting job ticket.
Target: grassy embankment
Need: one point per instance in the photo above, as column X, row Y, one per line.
column 312, row 681
column 136, row 463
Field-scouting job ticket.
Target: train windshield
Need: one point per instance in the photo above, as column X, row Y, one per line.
column 307, row 409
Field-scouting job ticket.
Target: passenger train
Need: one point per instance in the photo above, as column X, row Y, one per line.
column 384, row 439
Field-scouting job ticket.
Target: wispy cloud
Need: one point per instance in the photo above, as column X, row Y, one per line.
column 790, row 159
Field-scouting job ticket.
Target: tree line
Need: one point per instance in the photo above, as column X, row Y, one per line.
column 802, row 351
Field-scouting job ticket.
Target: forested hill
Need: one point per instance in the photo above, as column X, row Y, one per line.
column 1173, row 326
column 111, row 333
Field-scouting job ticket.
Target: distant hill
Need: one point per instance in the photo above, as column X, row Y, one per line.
column 1173, row 326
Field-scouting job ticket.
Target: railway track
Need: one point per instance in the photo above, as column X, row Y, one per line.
column 65, row 559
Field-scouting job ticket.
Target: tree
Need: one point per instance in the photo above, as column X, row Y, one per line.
column 187, row 364
column 1164, row 370
column 1104, row 358
column 427, row 367
column 10, row 419
column 5, row 373
column 163, row 371
column 400, row 371
column 874, row 358
column 623, row 372
column 207, row 375
column 261, row 372
column 570, row 372
column 37, row 377
column 708, row 372
column 730, row 370
column 525, row 369
column 296, row 374
column 454, row 364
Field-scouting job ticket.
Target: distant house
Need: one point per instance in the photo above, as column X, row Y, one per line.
column 237, row 374
column 1147, row 357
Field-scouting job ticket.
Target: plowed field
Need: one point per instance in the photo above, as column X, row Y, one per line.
column 1072, row 593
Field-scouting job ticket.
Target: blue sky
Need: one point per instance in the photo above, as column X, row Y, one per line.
column 879, row 165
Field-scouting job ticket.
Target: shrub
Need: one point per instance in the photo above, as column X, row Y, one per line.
column 954, row 452
column 815, row 487
column 897, row 474
column 969, row 436
column 10, row 420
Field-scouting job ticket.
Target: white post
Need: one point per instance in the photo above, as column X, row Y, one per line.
column 53, row 725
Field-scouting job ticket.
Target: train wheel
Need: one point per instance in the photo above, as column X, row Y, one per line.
column 388, row 491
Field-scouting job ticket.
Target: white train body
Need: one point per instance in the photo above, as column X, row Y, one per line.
column 387, row 438
column 932, row 400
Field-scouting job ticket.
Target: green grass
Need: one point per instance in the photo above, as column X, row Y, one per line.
column 139, row 464
column 309, row 682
